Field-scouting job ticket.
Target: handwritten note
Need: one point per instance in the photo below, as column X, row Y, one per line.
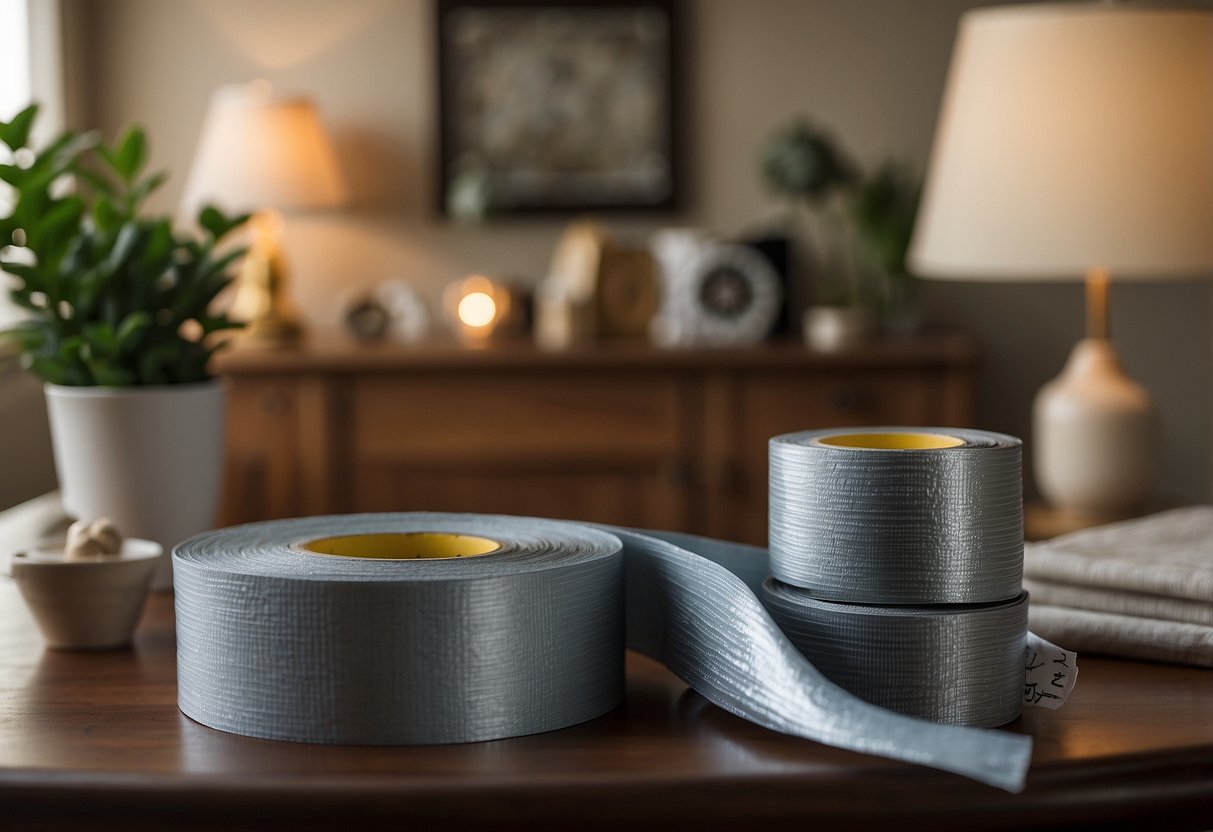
column 1049, row 673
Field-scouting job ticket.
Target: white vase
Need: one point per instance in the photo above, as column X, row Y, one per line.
column 149, row 458
column 833, row 328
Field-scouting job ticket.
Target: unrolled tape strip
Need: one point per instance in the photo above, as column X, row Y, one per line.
column 477, row 627
column 898, row 515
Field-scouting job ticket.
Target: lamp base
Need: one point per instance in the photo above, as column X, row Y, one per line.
column 1095, row 435
column 270, row 331
column 261, row 300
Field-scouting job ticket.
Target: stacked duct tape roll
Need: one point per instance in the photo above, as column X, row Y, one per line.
column 897, row 556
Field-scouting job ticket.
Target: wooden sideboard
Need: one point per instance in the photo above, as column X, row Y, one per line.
column 624, row 434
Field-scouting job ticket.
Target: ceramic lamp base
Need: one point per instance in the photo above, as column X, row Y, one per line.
column 1095, row 435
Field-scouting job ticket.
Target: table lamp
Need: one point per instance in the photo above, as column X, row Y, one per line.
column 262, row 154
column 1077, row 140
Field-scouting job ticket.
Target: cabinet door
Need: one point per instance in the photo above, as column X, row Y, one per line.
column 602, row 447
column 756, row 406
column 279, row 448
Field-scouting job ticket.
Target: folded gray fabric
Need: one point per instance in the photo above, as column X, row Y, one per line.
column 1141, row 588
column 1137, row 604
column 1122, row 635
column 1168, row 554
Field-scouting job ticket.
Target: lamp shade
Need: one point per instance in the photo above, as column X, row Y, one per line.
column 1072, row 137
column 260, row 152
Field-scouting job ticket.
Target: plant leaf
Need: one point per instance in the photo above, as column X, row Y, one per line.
column 124, row 245
column 13, row 175
column 128, row 158
column 132, row 325
column 217, row 323
column 15, row 133
column 153, row 361
column 105, row 213
column 49, row 237
column 219, row 224
column 111, row 375
column 100, row 338
column 30, row 275
column 47, row 369
column 99, row 182
column 141, row 191
column 159, row 243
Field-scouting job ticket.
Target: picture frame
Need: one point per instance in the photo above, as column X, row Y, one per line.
column 557, row 107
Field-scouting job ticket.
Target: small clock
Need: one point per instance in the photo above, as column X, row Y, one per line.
column 720, row 294
column 628, row 292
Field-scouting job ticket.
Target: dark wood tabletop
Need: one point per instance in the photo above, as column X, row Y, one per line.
column 95, row 740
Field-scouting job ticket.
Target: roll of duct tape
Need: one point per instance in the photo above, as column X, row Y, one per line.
column 426, row 628
column 399, row 629
column 961, row 664
column 898, row 515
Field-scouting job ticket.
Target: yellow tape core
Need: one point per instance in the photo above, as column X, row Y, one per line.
column 403, row 545
column 893, row 441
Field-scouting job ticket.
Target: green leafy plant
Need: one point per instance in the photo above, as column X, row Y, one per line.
column 883, row 210
column 802, row 162
column 114, row 297
column 864, row 220
column 884, row 207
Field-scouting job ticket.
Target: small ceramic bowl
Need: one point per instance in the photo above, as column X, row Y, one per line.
column 86, row 604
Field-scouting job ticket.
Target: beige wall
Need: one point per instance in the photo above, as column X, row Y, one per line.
column 873, row 69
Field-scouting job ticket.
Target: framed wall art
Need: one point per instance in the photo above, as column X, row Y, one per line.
column 557, row 106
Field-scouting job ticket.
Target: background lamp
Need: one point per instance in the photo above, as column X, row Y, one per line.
column 478, row 308
column 1077, row 140
column 263, row 155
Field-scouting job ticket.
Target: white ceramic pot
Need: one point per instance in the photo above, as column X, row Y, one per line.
column 149, row 458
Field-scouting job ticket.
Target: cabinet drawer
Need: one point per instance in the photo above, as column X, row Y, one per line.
column 781, row 403
column 504, row 416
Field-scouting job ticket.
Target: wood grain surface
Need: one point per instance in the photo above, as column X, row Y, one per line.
column 95, row 740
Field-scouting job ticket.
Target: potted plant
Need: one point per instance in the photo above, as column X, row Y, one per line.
column 802, row 162
column 119, row 326
column 863, row 223
column 883, row 209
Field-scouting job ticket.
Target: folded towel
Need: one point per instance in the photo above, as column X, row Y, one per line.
column 1141, row 588
column 1168, row 554
column 1049, row 594
column 1122, row 635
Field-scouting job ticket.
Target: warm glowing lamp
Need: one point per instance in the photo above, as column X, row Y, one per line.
column 1077, row 140
column 477, row 307
column 477, row 310
column 265, row 155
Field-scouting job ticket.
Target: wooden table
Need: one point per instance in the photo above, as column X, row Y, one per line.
column 96, row 739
